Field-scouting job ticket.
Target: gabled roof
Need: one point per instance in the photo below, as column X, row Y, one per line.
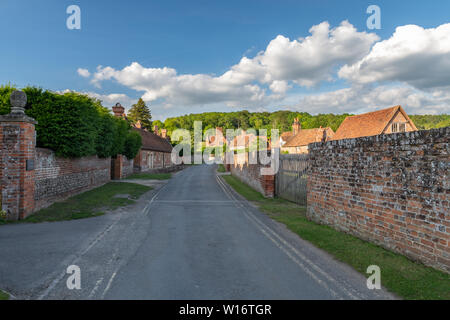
column 307, row 136
column 285, row 136
column 369, row 124
column 153, row 142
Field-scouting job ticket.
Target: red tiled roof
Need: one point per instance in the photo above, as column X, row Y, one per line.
column 368, row 124
column 307, row 136
column 151, row 141
column 286, row 135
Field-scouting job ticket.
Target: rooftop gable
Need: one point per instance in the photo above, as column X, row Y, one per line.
column 369, row 124
column 307, row 136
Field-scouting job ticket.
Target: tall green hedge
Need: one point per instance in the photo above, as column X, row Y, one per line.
column 74, row 125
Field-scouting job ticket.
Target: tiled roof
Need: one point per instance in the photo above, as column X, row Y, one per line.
column 368, row 124
column 307, row 136
column 286, row 135
column 151, row 141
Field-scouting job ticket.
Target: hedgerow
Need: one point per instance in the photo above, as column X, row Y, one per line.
column 74, row 125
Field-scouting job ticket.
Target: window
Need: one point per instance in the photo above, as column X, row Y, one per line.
column 398, row 127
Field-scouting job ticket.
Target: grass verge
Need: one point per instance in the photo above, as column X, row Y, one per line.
column 406, row 278
column 91, row 203
column 4, row 295
column 221, row 168
column 150, row 176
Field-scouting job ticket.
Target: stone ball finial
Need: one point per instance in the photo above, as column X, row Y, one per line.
column 18, row 101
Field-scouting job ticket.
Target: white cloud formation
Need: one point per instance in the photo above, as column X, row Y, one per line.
column 360, row 99
column 108, row 100
column 254, row 81
column 84, row 72
column 413, row 55
column 411, row 68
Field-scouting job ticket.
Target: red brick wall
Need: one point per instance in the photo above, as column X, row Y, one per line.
column 59, row 178
column 151, row 160
column 393, row 190
column 251, row 175
column 17, row 141
column 121, row 167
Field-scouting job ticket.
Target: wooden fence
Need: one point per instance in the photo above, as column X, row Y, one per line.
column 291, row 178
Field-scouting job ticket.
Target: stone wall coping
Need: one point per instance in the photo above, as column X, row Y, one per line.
column 412, row 136
column 17, row 117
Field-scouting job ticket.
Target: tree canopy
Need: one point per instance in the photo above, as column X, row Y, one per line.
column 140, row 112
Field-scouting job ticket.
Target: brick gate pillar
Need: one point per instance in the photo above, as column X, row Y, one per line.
column 17, row 152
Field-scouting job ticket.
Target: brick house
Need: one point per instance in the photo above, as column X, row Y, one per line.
column 285, row 136
column 298, row 143
column 386, row 121
column 216, row 140
column 156, row 149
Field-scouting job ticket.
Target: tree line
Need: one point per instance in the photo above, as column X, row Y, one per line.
column 281, row 120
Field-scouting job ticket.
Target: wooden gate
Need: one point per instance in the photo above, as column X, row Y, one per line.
column 291, row 178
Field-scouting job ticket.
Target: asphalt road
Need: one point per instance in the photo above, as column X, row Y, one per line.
column 193, row 238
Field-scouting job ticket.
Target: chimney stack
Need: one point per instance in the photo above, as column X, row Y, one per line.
column 164, row 133
column 155, row 130
column 118, row 110
column 138, row 124
column 324, row 137
column 296, row 127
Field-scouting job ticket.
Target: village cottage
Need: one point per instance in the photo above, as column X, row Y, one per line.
column 156, row 150
column 297, row 141
column 386, row 121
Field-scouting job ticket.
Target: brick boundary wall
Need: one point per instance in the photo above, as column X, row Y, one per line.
column 121, row 167
column 17, row 147
column 392, row 190
column 250, row 174
column 60, row 178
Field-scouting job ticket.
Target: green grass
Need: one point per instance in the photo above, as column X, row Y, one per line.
column 4, row 295
column 221, row 168
column 406, row 278
column 150, row 176
column 91, row 203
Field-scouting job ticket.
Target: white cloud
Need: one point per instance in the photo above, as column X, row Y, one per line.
column 254, row 81
column 415, row 59
column 413, row 55
column 359, row 99
column 108, row 100
column 311, row 60
column 84, row 72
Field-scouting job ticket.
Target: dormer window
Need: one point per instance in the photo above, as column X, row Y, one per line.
column 398, row 127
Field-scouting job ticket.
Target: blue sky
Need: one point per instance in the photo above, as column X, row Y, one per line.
column 201, row 38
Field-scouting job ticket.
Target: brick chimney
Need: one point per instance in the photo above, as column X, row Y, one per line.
column 164, row 133
column 118, row 110
column 138, row 124
column 296, row 127
column 156, row 130
column 324, row 137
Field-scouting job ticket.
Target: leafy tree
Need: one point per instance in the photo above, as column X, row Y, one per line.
column 132, row 144
column 140, row 112
column 5, row 93
column 158, row 123
column 73, row 124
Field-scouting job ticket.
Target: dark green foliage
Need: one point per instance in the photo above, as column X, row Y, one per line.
column 132, row 145
column 74, row 125
column 426, row 122
column 140, row 112
column 5, row 93
column 281, row 120
column 67, row 124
